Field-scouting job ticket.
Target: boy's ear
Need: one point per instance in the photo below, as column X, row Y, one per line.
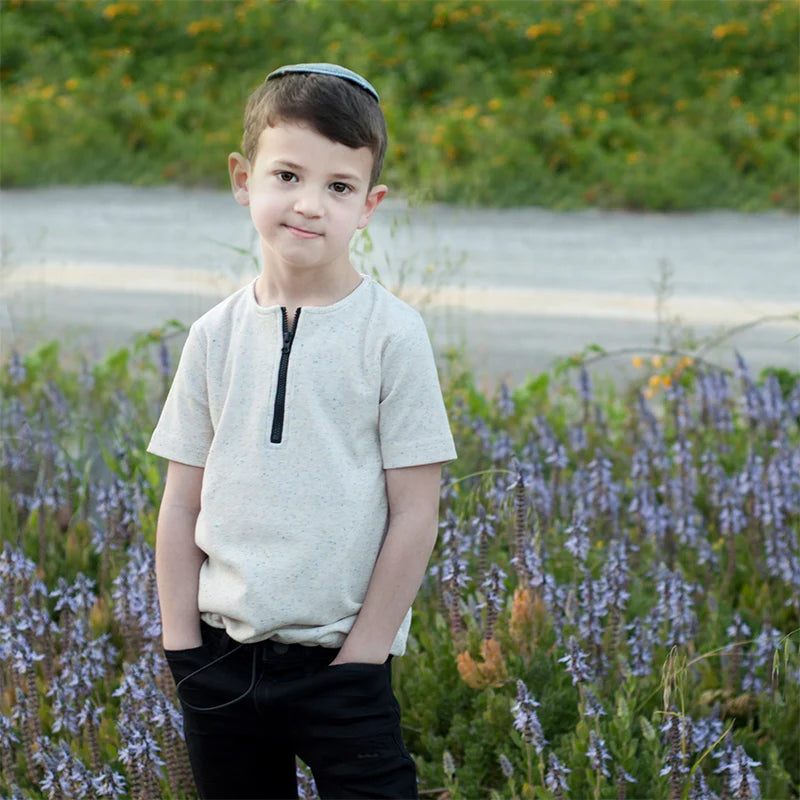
column 239, row 171
column 376, row 194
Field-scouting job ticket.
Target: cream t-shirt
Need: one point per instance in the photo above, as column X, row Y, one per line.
column 292, row 529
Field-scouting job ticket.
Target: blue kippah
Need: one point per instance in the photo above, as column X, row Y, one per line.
column 333, row 70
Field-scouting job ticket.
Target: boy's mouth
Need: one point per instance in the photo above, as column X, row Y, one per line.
column 301, row 233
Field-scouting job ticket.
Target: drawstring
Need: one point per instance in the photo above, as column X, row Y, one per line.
column 211, row 664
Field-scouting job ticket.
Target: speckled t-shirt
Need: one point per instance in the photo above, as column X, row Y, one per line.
column 292, row 528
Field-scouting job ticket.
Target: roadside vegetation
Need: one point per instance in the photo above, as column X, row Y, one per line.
column 612, row 609
column 641, row 104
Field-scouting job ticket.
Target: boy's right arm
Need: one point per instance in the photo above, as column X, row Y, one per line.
column 178, row 559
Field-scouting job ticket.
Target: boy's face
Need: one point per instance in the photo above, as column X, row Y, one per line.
column 307, row 196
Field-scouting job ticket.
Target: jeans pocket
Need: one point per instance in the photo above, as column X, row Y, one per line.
column 206, row 681
column 184, row 662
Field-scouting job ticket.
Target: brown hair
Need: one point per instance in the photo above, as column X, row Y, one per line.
column 334, row 107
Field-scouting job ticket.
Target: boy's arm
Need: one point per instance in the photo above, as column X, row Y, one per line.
column 178, row 559
column 413, row 494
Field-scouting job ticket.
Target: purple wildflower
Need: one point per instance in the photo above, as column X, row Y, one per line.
column 641, row 642
column 506, row 766
column 502, row 448
column 16, row 369
column 504, row 402
column 578, row 441
column 766, row 644
column 525, row 719
column 556, row 777
column 577, row 538
column 706, row 731
column 740, row 779
column 110, row 784
column 585, row 386
column 577, row 665
column 699, row 789
column 598, row 754
column 592, row 706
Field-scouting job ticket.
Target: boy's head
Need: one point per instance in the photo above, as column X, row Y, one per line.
column 335, row 102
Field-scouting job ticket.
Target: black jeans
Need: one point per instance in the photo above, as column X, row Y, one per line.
column 249, row 709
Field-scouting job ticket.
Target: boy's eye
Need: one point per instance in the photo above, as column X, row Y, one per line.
column 340, row 188
column 286, row 177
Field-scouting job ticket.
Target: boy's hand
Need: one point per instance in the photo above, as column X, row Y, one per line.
column 363, row 657
column 413, row 494
column 182, row 641
column 178, row 559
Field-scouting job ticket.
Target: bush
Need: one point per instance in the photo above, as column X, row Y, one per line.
column 636, row 104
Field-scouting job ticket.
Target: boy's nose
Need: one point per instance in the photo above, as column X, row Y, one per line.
column 308, row 203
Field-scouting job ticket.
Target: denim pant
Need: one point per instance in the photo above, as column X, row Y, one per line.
column 249, row 709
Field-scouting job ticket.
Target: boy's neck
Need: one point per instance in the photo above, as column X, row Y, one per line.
column 294, row 289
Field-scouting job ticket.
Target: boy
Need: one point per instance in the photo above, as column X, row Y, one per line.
column 305, row 432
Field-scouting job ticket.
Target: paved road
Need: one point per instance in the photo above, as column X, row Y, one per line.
column 516, row 288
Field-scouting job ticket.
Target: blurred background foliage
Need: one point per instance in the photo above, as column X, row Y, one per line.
column 640, row 104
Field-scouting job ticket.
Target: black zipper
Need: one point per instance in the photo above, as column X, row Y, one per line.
column 283, row 369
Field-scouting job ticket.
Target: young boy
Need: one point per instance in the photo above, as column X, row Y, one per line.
column 305, row 432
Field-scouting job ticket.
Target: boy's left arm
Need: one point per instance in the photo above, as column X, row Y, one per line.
column 413, row 494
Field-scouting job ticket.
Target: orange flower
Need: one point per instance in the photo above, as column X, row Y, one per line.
column 490, row 672
column 493, row 669
column 468, row 670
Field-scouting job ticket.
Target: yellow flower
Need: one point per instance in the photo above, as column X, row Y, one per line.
column 656, row 361
column 601, row 114
column 549, row 101
column 667, row 380
column 47, row 92
column 206, row 25
column 126, row 81
column 71, row 84
column 687, row 361
column 120, row 9
column 495, row 104
column 636, row 361
column 627, row 77
column 633, row 157
column 469, row 112
column 680, row 105
column 736, row 102
column 730, row 29
column 654, row 381
column 788, row 115
column 543, row 29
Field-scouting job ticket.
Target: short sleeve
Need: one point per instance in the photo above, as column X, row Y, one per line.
column 412, row 421
column 185, row 430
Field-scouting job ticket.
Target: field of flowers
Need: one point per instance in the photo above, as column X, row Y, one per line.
column 612, row 609
column 659, row 104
